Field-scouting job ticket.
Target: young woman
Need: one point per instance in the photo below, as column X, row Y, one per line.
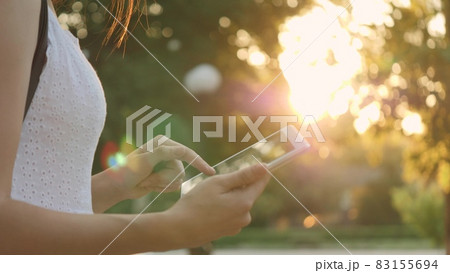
column 49, row 203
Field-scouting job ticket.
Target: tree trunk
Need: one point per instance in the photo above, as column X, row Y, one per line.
column 447, row 223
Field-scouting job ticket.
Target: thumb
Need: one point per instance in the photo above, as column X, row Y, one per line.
column 243, row 177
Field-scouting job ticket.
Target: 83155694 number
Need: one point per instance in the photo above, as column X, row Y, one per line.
column 406, row 264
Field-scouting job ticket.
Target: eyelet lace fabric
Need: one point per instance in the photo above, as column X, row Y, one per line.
column 61, row 130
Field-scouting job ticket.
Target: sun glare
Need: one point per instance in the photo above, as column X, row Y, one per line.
column 321, row 58
column 367, row 116
column 319, row 70
column 412, row 124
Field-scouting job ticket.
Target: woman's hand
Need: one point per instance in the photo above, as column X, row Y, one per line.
column 217, row 207
column 137, row 177
column 140, row 178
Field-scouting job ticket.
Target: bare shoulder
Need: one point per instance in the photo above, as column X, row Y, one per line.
column 19, row 27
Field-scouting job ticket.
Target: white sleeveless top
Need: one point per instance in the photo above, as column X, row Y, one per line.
column 61, row 130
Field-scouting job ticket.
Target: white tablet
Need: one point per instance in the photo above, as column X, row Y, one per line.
column 276, row 150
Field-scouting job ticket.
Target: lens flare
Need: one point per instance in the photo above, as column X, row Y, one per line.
column 309, row 222
column 319, row 70
column 111, row 156
column 412, row 124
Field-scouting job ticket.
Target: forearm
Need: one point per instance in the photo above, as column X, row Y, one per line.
column 26, row 229
column 105, row 190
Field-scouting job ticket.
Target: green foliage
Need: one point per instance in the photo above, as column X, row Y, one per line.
column 423, row 208
column 424, row 65
column 353, row 237
column 374, row 205
column 424, row 68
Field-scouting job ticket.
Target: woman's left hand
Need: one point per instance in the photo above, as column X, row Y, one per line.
column 137, row 176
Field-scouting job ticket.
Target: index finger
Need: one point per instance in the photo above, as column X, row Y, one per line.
column 176, row 151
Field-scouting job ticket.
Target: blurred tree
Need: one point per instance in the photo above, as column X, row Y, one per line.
column 420, row 206
column 413, row 61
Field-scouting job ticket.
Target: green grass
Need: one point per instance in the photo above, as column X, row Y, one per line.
column 356, row 237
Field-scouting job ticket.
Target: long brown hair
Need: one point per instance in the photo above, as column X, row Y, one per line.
column 122, row 11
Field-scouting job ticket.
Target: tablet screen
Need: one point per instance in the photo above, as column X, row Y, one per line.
column 271, row 148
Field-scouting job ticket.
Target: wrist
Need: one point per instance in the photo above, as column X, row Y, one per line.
column 107, row 190
column 162, row 231
column 116, row 178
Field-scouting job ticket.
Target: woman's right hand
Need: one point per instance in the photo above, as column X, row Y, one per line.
column 219, row 206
